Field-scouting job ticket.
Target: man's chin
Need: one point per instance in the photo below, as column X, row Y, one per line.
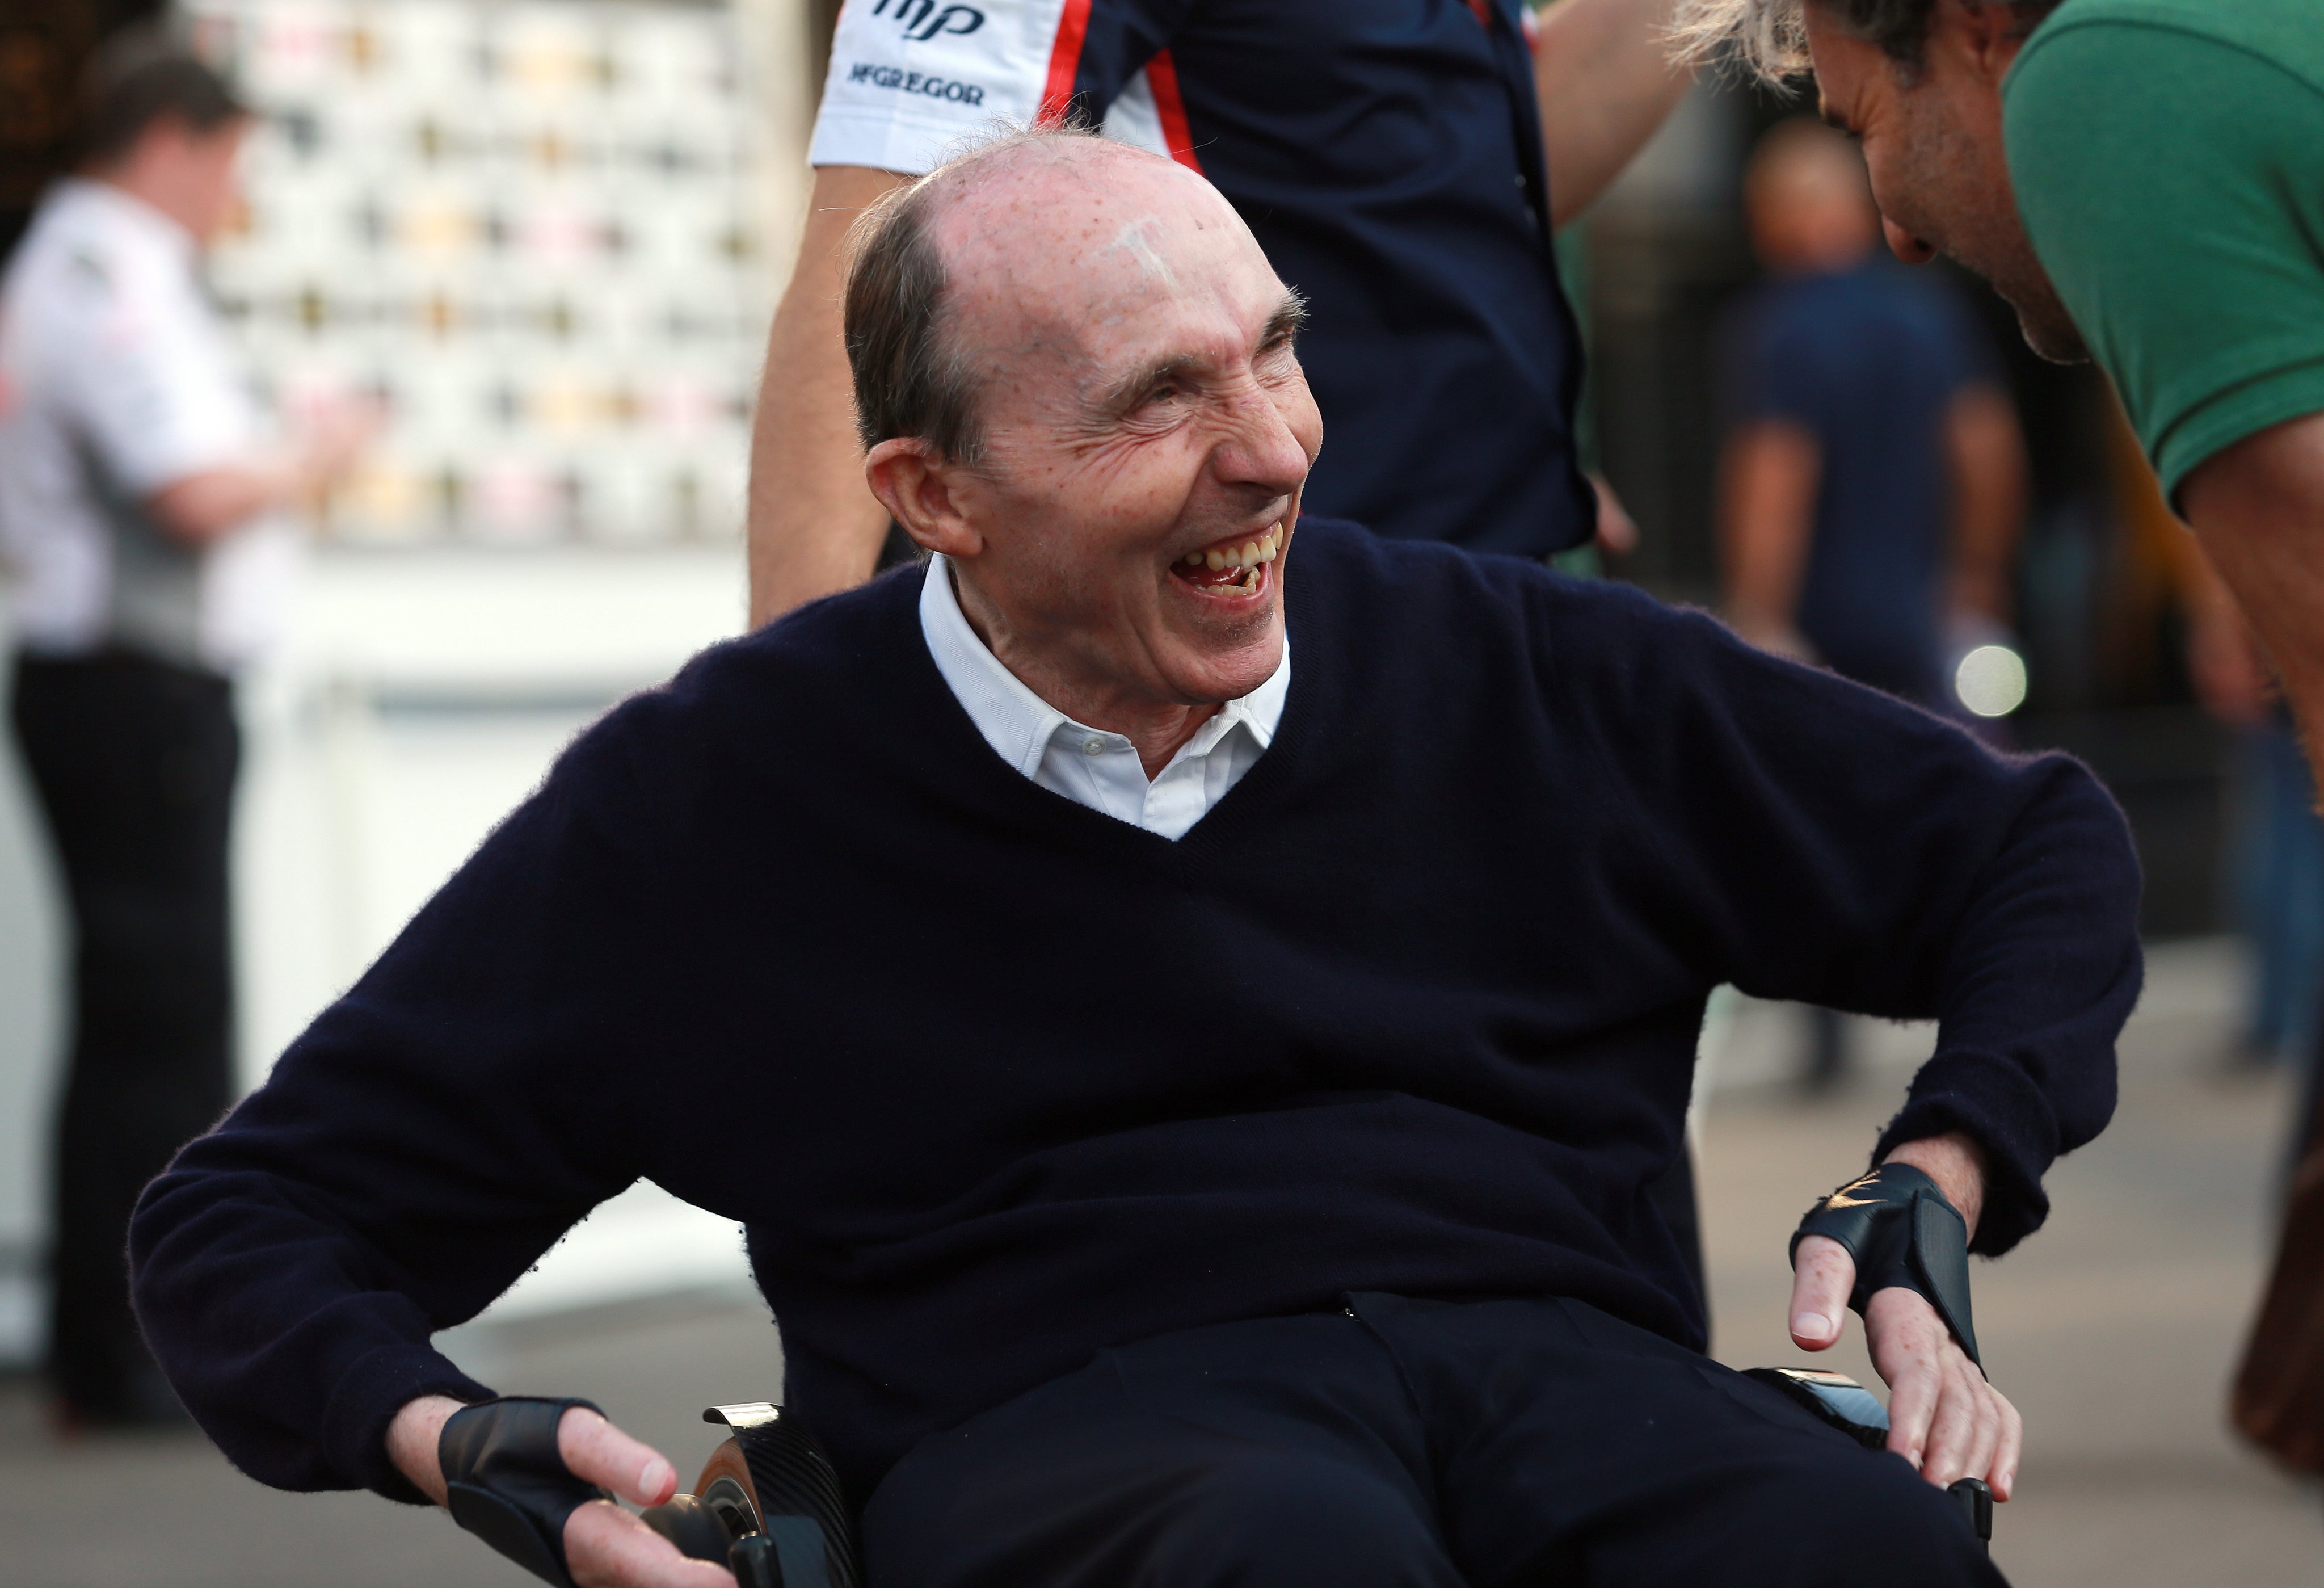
column 2042, row 315
column 2052, row 335
column 1217, row 668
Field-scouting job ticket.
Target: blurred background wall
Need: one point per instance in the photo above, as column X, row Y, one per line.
column 547, row 238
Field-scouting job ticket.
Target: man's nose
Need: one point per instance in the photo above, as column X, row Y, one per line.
column 1905, row 245
column 1261, row 449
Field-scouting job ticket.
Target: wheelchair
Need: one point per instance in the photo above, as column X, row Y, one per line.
column 768, row 1505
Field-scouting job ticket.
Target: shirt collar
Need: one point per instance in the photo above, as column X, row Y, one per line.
column 1018, row 724
column 125, row 215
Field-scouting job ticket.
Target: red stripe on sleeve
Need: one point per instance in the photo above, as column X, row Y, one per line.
column 1064, row 62
column 1162, row 76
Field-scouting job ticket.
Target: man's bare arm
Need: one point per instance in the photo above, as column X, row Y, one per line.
column 199, row 508
column 606, row 1546
column 1986, row 454
column 212, row 502
column 1767, row 484
column 2258, row 509
column 814, row 527
column 1603, row 73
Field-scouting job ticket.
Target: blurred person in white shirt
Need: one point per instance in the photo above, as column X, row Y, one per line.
column 145, row 515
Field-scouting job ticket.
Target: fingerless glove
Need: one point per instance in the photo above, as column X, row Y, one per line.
column 507, row 1483
column 1902, row 1233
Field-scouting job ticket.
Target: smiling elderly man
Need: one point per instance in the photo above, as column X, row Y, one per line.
column 1305, row 966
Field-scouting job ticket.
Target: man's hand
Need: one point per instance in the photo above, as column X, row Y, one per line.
column 1942, row 1415
column 606, row 1546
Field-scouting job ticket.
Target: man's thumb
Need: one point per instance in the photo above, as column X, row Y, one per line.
column 1823, row 1274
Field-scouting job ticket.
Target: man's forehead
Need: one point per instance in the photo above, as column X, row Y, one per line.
column 1107, row 254
column 1094, row 216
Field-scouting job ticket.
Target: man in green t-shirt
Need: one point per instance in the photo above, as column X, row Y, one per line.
column 2143, row 180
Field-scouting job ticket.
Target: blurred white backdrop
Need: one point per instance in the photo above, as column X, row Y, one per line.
column 447, row 645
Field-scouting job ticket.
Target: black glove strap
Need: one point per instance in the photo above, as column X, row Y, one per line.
column 1902, row 1231
column 508, row 1485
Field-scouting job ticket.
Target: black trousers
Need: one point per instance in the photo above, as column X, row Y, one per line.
column 1411, row 1443
column 134, row 761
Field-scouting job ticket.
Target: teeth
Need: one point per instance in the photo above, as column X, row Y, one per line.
column 1266, row 548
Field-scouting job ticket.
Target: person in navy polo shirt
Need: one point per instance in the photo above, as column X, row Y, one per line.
column 1387, row 154
column 1192, row 1096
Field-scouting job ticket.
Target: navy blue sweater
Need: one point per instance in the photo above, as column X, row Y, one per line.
column 996, row 1081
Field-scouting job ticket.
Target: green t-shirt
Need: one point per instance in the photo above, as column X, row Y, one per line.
column 2169, row 161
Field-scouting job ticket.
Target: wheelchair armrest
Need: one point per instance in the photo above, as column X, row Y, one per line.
column 1831, row 1398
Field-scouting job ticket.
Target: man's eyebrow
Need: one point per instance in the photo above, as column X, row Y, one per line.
column 1285, row 322
column 1281, row 325
column 1126, row 391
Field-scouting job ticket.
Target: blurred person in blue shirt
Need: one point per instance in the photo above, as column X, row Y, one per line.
column 1872, row 482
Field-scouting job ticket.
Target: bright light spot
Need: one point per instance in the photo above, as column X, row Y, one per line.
column 1991, row 680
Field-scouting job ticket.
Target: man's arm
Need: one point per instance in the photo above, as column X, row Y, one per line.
column 1767, row 481
column 1985, row 455
column 209, row 503
column 814, row 527
column 1603, row 72
column 199, row 508
column 1813, row 840
column 424, row 1141
column 213, row 502
column 1827, row 843
column 2258, row 509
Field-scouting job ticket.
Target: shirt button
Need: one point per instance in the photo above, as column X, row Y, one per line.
column 1092, row 747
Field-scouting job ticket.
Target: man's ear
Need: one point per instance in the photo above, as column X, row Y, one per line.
column 1985, row 34
column 921, row 491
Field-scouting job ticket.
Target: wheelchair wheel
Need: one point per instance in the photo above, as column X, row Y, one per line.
column 768, row 1505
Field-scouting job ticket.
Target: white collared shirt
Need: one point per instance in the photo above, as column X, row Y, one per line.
column 117, row 378
column 1089, row 765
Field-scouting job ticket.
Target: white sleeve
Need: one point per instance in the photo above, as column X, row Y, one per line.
column 160, row 396
column 910, row 77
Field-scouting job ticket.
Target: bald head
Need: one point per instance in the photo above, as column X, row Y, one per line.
column 1811, row 208
column 1023, row 245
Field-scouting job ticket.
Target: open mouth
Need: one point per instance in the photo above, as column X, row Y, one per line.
column 1232, row 568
